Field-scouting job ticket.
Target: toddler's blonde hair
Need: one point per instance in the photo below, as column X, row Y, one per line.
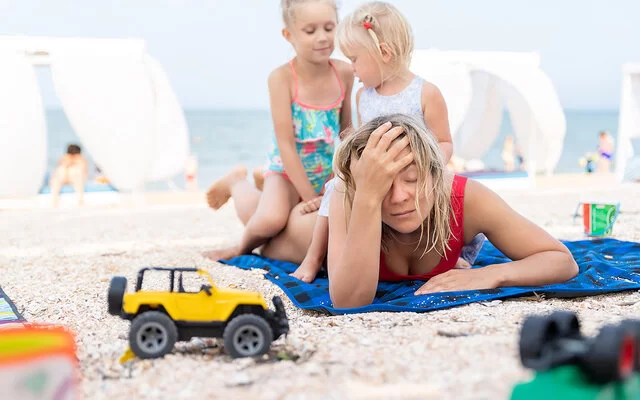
column 375, row 23
column 289, row 8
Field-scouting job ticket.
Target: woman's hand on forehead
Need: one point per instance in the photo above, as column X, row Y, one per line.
column 382, row 159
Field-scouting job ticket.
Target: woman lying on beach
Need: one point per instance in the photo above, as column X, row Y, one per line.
column 401, row 215
column 398, row 214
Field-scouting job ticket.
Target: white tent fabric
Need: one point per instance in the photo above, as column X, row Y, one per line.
column 108, row 99
column 514, row 80
column 23, row 144
column 536, row 113
column 171, row 131
column 117, row 98
column 484, row 114
column 453, row 80
column 627, row 157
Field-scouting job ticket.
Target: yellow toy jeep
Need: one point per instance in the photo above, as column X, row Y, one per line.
column 160, row 318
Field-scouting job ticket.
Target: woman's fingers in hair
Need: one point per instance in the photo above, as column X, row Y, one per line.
column 397, row 147
column 388, row 137
column 403, row 161
column 406, row 160
column 377, row 134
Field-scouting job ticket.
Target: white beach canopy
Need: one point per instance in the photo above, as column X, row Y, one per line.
column 117, row 98
column 477, row 87
column 627, row 155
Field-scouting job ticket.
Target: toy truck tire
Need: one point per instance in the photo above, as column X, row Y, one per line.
column 611, row 356
column 536, row 332
column 247, row 335
column 634, row 325
column 115, row 295
column 152, row 335
column 567, row 323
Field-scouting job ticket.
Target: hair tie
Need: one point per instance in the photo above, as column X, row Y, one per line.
column 368, row 19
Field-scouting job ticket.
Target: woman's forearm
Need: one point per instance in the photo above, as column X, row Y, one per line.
column 354, row 281
column 539, row 269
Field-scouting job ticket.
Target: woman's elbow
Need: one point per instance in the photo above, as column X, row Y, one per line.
column 349, row 302
column 350, row 298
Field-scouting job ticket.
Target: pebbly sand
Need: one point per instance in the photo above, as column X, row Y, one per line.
column 56, row 266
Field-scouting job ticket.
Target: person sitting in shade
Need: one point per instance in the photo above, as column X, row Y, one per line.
column 72, row 169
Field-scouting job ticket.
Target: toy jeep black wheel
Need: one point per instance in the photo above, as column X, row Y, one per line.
column 567, row 323
column 537, row 332
column 117, row 289
column 611, row 356
column 247, row 335
column 152, row 335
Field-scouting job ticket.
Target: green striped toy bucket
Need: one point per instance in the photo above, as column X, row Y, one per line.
column 598, row 218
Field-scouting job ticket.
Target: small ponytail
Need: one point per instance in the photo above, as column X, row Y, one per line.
column 368, row 24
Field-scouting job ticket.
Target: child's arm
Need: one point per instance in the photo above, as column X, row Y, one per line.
column 320, row 241
column 358, row 105
column 317, row 252
column 436, row 117
column 346, row 73
column 280, row 99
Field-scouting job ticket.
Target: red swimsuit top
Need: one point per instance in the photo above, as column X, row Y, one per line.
column 456, row 240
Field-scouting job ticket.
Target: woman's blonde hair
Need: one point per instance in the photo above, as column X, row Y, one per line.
column 429, row 163
column 375, row 23
column 289, row 6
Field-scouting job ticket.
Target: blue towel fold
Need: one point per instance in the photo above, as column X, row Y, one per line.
column 606, row 266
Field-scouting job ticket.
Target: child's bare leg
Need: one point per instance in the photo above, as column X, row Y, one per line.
column 220, row 192
column 77, row 180
column 314, row 258
column 245, row 196
column 258, row 177
column 278, row 198
column 470, row 251
column 293, row 242
column 462, row 264
column 55, row 184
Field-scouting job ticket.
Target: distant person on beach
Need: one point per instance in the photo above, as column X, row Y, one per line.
column 510, row 154
column 310, row 105
column 456, row 164
column 605, row 152
column 99, row 177
column 72, row 169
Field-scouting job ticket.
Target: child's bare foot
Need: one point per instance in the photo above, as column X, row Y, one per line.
column 462, row 264
column 220, row 192
column 306, row 272
column 258, row 177
column 223, row 254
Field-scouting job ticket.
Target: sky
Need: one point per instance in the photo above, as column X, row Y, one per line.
column 218, row 53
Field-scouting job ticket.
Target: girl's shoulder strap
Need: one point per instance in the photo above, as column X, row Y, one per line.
column 335, row 69
column 295, row 81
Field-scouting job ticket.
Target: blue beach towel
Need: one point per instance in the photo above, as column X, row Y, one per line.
column 606, row 266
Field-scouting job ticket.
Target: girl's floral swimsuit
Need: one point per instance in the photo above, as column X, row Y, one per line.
column 316, row 128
